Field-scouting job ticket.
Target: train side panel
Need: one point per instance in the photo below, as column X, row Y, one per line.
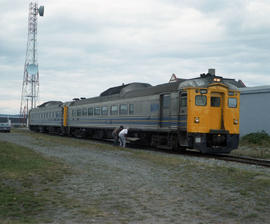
column 144, row 114
column 45, row 119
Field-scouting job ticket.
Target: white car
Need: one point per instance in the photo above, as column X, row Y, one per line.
column 5, row 125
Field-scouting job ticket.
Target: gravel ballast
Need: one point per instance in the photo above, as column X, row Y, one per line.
column 115, row 185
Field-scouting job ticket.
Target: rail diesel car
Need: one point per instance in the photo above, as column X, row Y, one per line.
column 200, row 113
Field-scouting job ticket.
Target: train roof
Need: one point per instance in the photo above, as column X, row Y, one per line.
column 51, row 103
column 205, row 79
column 145, row 89
column 124, row 88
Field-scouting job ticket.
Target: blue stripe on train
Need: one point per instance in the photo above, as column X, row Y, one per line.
column 167, row 121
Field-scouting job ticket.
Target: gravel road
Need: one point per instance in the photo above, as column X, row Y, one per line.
column 115, row 185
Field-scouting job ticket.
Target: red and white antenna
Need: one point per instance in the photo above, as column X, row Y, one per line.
column 30, row 86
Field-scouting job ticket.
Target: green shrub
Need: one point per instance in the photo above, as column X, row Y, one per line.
column 258, row 138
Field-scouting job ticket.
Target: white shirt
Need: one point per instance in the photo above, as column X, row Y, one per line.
column 123, row 132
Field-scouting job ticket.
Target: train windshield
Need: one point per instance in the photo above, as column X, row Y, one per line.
column 215, row 101
column 232, row 102
column 200, row 100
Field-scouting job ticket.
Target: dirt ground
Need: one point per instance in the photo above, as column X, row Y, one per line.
column 115, row 185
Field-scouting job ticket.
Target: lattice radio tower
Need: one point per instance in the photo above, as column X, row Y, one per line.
column 30, row 86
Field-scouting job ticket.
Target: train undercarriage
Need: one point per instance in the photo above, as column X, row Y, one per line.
column 214, row 142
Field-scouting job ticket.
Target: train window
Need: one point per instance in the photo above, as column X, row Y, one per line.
column 123, row 109
column 166, row 101
column 154, row 107
column 79, row 112
column 90, row 111
column 114, row 110
column 200, row 100
column 97, row 111
column 73, row 113
column 131, row 108
column 84, row 112
column 215, row 101
column 104, row 110
column 232, row 102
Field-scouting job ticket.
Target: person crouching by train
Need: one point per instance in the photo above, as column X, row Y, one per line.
column 115, row 134
column 123, row 137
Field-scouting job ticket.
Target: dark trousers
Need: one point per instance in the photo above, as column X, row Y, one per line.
column 116, row 139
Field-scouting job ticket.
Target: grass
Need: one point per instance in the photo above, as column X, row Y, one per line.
column 53, row 140
column 246, row 184
column 233, row 193
column 26, row 180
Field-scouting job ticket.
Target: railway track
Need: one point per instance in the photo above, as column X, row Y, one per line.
column 246, row 160
column 232, row 158
column 224, row 157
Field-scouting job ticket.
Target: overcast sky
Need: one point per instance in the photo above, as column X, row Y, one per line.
column 87, row 46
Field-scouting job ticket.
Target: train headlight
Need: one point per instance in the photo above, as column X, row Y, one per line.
column 196, row 120
column 217, row 79
column 235, row 121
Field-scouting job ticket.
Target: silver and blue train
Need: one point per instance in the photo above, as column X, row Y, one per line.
column 200, row 113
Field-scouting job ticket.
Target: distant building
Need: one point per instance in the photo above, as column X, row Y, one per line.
column 254, row 109
column 16, row 120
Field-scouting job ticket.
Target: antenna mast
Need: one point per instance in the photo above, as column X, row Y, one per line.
column 30, row 86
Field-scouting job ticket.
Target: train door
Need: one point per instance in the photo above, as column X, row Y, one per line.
column 182, row 116
column 216, row 110
column 182, row 120
column 165, row 103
